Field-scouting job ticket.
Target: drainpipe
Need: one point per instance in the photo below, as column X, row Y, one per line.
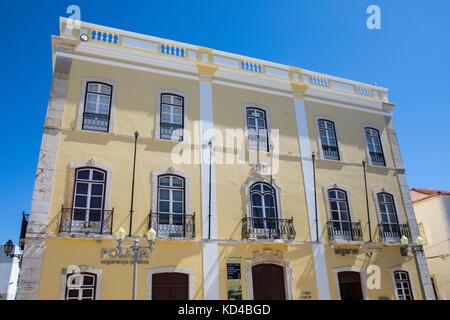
column 367, row 200
column 136, row 134
column 210, row 142
column 315, row 195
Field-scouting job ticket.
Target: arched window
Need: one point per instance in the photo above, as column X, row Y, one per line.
column 97, row 106
column 341, row 223
column 374, row 145
column 88, row 200
column 171, row 207
column 389, row 221
column 257, row 129
column 264, row 207
column 81, row 286
column 328, row 139
column 172, row 117
column 403, row 285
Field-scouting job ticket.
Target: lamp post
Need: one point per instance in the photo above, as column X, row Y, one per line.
column 120, row 236
column 8, row 248
column 406, row 247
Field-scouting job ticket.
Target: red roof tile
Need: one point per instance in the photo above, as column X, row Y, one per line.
column 418, row 194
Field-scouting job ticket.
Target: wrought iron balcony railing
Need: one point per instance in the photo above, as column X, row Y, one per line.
column 78, row 220
column 268, row 228
column 172, row 225
column 330, row 152
column 96, row 122
column 377, row 159
column 344, row 230
column 393, row 232
column 171, row 131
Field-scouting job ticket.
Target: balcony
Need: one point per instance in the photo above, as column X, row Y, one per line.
column 393, row 232
column 377, row 159
column 330, row 152
column 268, row 228
column 94, row 221
column 95, row 122
column 172, row 225
column 172, row 131
column 344, row 230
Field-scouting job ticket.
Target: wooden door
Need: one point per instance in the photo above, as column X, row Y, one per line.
column 268, row 282
column 350, row 285
column 170, row 286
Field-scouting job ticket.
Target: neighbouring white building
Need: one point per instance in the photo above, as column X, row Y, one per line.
column 9, row 274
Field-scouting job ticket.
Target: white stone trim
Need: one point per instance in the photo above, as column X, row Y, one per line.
column 112, row 111
column 109, row 171
column 362, row 273
column 255, row 179
column 150, row 272
column 369, row 158
column 267, row 112
column 319, row 141
column 158, row 112
column 268, row 257
column 171, row 171
column 401, row 268
column 80, row 269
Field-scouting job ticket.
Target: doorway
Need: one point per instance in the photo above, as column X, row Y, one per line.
column 350, row 285
column 268, row 282
column 170, row 286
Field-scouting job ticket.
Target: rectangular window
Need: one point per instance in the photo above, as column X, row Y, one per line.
column 172, row 117
column 375, row 148
column 328, row 140
column 257, row 129
column 97, row 107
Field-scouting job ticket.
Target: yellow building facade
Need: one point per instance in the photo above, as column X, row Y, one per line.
column 250, row 172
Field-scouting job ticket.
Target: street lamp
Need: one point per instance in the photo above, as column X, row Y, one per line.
column 120, row 236
column 8, row 248
column 405, row 248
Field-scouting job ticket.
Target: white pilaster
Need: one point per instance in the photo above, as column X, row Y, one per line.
column 209, row 222
column 320, row 265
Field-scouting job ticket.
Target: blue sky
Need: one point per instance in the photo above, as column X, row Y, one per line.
column 410, row 55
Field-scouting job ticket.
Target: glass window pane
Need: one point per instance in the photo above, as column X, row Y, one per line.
column 92, row 87
column 97, row 189
column 73, row 293
column 257, row 212
column 83, row 174
column 163, row 206
column 177, row 207
column 106, row 90
column 166, row 99
column 88, row 293
column 95, row 215
column 80, row 201
column 96, row 202
column 177, row 195
column 164, row 194
column 81, row 188
column 98, row 176
column 177, row 182
column 164, row 181
column 256, row 200
column 178, row 101
column 79, row 214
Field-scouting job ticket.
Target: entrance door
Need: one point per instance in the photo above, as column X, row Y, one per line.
column 350, row 285
column 170, row 286
column 268, row 282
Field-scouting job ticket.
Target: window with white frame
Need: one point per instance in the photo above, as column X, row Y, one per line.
column 340, row 222
column 263, row 206
column 390, row 227
column 97, row 106
column 374, row 146
column 81, row 286
column 403, row 285
column 328, row 139
column 88, row 199
column 171, row 209
column 172, row 117
column 257, row 129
